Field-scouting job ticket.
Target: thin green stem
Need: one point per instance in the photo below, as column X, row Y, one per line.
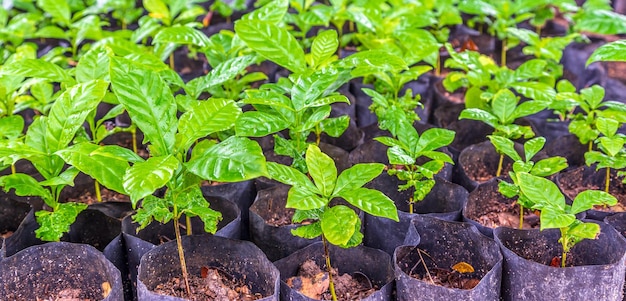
column 438, row 64
column 499, row 171
column 13, row 169
column 98, row 194
column 563, row 258
column 172, row 60
column 181, row 252
column 607, row 180
column 564, row 246
column 503, row 53
column 590, row 146
column 329, row 269
column 411, row 205
column 134, row 137
column 521, row 217
column 188, row 223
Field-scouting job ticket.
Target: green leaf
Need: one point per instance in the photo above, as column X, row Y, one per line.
column 338, row 224
column 25, row 185
column 307, row 88
column 601, row 21
column 302, row 199
column 371, row 201
column 400, row 156
column 63, row 179
column 505, row 146
column 38, row 68
column 433, row 139
column 273, row 43
column 153, row 208
column 308, row 231
column 54, row 224
column 324, row 46
column 614, row 51
column 273, row 12
column 322, row 170
column 290, row 176
column 555, row 219
column 356, row 238
column 223, row 72
column 533, row 146
column 204, row 118
column 143, row 178
column 607, row 126
column 58, row 9
column 182, row 35
column 90, row 65
column 11, row 126
column 541, row 191
column 589, row 198
column 503, row 105
column 158, row 9
column 148, row 101
column 357, row 176
column 70, row 110
column 232, row 160
column 480, row 115
column 199, row 206
column 534, row 90
column 507, row 189
column 335, row 127
column 93, row 160
column 584, row 230
column 548, row 166
column 259, row 124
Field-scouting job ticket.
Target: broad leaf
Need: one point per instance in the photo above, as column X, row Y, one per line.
column 589, row 198
column 54, row 224
column 555, row 219
column 302, row 199
column 25, row 185
column 614, row 51
column 232, row 160
column 541, row 191
column 290, row 176
column 338, row 224
column 143, row 178
column 505, row 146
column 548, row 166
column 38, row 68
column 324, row 46
column 58, row 9
column 182, row 35
column 204, row 118
column 433, row 139
column 259, row 124
column 372, row 201
column 308, row 231
column 503, row 105
column 533, row 146
column 153, row 208
column 322, row 170
column 91, row 65
column 357, row 176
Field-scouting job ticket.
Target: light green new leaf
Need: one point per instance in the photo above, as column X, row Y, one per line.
column 232, row 160
column 479, row 114
column 614, row 51
column 533, row 146
column 38, row 68
column 204, row 118
column 302, row 199
column 259, row 124
column 307, row 88
column 371, row 201
column 433, row 139
column 91, row 65
column 143, row 178
column 541, row 191
column 25, row 185
column 549, row 166
column 503, row 105
column 273, row 12
column 107, row 170
column 534, row 90
column 153, row 208
column 555, row 219
column 158, row 9
column 54, row 224
column 584, row 230
column 322, row 169
column 324, row 46
column 290, row 176
column 357, row 176
column 63, row 179
column 11, row 126
column 70, row 110
column 225, row 71
column 505, row 146
column 339, row 224
column 58, row 9
column 273, row 43
column 589, row 198
column 149, row 103
column 308, row 231
column 400, row 156
column 182, row 35
column 335, row 126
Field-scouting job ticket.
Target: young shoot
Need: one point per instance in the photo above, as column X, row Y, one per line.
column 611, row 152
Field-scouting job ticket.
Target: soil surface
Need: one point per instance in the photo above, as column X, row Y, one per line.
column 578, row 180
column 107, row 196
column 68, row 294
column 211, row 284
column 314, row 283
column 460, row 276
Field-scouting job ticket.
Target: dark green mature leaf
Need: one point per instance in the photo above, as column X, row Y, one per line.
column 371, row 201
column 182, row 35
column 38, row 68
column 505, row 146
column 589, row 198
column 232, row 160
column 302, row 199
column 357, row 176
column 70, row 110
column 91, row 65
column 273, row 43
column 338, row 224
column 614, row 51
column 322, row 170
column 259, row 124
column 143, row 178
column 308, row 231
column 25, row 185
column 204, row 118
column 54, row 224
column 149, row 103
column 106, row 169
column 290, row 176
column 541, row 191
column 324, row 46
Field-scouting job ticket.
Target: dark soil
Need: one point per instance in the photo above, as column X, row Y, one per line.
column 426, row 269
column 584, row 178
column 68, row 294
column 107, row 196
column 278, row 215
column 314, row 283
column 212, row 284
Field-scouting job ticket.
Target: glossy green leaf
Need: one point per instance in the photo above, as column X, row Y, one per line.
column 70, row 110
column 555, row 219
column 503, row 105
column 58, row 9
column 321, row 169
column 433, row 139
column 225, row 71
column 157, row 9
column 307, row 88
column 290, row 176
column 533, row 146
column 38, row 68
column 259, row 124
column 607, row 126
column 399, row 156
column 273, row 43
column 143, row 178
column 584, row 230
column 505, row 146
column 91, row 65
column 335, row 127
column 316, row 116
column 534, row 90
column 198, row 206
column 338, row 224
column 324, row 46
column 614, row 51
column 479, row 114
column 273, row 12
column 589, row 198
column 232, row 160
column 11, row 126
column 357, row 176
column 601, row 21
column 25, row 185
column 153, row 208
column 90, row 159
column 182, row 35
column 302, row 199
column 206, row 117
column 308, row 231
column 54, row 224
column 63, row 179
column 541, row 191
column 549, row 166
column 148, row 101
column 371, row 201
column 356, row 238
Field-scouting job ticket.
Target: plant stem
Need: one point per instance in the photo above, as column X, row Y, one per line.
column 411, row 205
column 438, row 64
column 188, row 222
column 134, row 137
column 181, row 253
column 503, row 53
column 565, row 249
column 98, row 195
column 563, row 258
column 607, row 180
column 329, row 268
column 12, row 169
column 499, row 171
column 521, row 217
column 590, row 145
column 172, row 60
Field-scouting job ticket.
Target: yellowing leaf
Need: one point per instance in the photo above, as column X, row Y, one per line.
column 463, row 267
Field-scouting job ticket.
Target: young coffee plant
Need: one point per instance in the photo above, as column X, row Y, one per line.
column 311, row 197
column 611, row 152
column 404, row 151
column 542, row 168
column 557, row 214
